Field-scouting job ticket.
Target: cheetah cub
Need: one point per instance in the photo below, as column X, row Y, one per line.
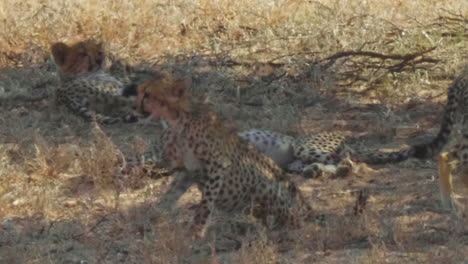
column 457, row 155
column 232, row 174
column 85, row 85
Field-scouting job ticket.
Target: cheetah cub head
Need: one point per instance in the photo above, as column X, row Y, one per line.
column 78, row 59
column 163, row 96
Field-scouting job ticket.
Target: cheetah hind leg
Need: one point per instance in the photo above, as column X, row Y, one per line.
column 344, row 168
column 448, row 197
column 316, row 170
column 341, row 170
column 311, row 171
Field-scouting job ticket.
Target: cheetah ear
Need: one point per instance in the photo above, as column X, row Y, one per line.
column 180, row 87
column 59, row 52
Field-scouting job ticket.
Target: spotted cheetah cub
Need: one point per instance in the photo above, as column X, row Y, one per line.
column 232, row 174
column 86, row 86
column 312, row 155
column 456, row 156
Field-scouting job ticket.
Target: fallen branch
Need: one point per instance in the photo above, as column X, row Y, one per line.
column 359, row 63
column 405, row 58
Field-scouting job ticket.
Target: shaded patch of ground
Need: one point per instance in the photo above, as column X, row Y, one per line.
column 63, row 201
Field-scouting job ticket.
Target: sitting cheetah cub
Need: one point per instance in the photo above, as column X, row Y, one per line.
column 232, row 174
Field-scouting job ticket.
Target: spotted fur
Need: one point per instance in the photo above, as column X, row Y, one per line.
column 456, row 110
column 327, row 148
column 311, row 156
column 86, row 86
column 232, row 174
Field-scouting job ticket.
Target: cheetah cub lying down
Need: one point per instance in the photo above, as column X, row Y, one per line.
column 311, row 156
column 327, row 148
column 86, row 86
column 232, row 174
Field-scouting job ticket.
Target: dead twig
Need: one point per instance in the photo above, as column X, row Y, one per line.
column 359, row 62
column 405, row 58
column 453, row 16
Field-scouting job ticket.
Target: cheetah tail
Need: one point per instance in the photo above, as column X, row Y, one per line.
column 385, row 157
column 434, row 147
column 455, row 94
column 431, row 149
column 421, row 151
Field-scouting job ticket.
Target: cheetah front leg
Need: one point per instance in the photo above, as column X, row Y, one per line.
column 183, row 180
column 210, row 189
column 445, row 183
column 81, row 107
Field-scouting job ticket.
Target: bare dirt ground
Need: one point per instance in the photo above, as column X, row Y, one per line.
column 62, row 199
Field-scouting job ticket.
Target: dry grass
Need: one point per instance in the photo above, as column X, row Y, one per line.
column 62, row 200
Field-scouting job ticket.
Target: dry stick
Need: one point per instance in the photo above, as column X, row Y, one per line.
column 290, row 55
column 411, row 59
column 460, row 18
column 406, row 57
column 399, row 67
